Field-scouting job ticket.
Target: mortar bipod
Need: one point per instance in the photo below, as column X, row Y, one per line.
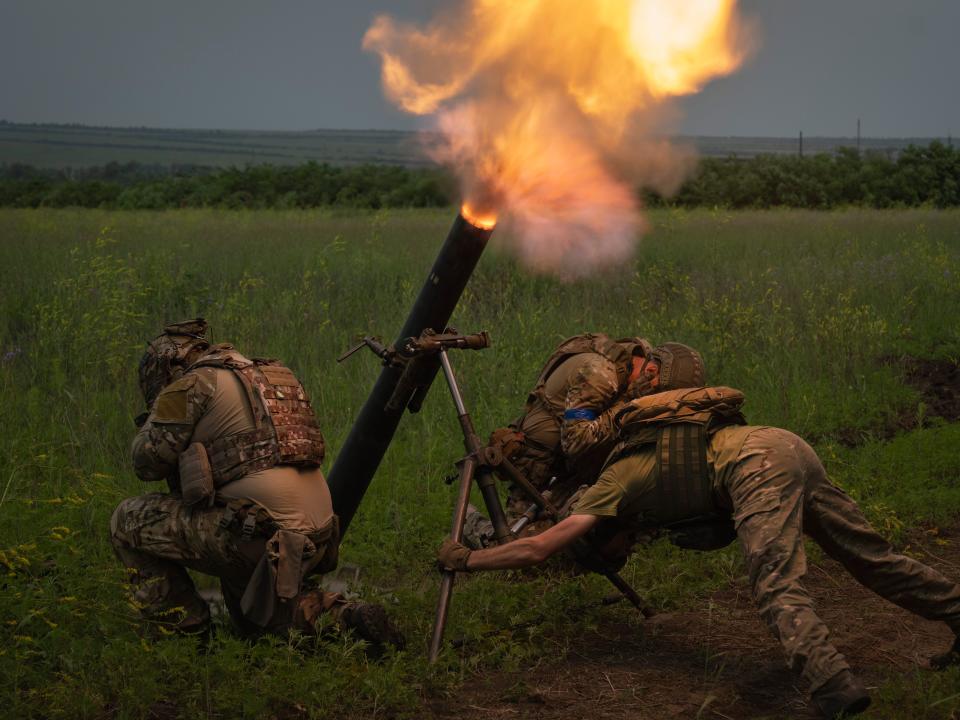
column 480, row 462
column 420, row 358
column 471, row 468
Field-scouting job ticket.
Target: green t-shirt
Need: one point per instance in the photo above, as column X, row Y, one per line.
column 627, row 488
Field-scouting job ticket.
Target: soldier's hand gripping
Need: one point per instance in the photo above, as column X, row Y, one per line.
column 453, row 556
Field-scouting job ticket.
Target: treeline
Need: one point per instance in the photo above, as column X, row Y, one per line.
column 132, row 186
column 917, row 176
column 928, row 176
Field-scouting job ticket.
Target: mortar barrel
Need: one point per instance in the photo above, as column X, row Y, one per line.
column 370, row 436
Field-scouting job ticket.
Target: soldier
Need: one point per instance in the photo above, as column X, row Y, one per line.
column 686, row 455
column 566, row 430
column 239, row 446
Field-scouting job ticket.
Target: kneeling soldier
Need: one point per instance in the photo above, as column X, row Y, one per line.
column 686, row 458
column 239, row 445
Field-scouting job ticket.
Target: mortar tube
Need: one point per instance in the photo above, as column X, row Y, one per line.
column 370, row 436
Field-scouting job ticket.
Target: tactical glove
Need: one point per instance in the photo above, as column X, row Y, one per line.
column 453, row 556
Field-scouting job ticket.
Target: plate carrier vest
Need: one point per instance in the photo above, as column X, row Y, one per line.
column 286, row 432
column 680, row 423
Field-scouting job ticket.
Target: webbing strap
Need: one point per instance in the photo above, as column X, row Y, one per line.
column 684, row 489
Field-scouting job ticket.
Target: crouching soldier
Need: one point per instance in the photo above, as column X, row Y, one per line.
column 685, row 457
column 566, row 430
column 240, row 448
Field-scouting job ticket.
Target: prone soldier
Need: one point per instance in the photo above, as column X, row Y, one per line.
column 239, row 445
column 685, row 457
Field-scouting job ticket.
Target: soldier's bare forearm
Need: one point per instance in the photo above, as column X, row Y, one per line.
column 533, row 550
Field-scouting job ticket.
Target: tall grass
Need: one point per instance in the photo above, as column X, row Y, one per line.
column 802, row 311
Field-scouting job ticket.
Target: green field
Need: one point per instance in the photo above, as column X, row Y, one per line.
column 810, row 314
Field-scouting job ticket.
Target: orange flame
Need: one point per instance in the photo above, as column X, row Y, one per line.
column 548, row 108
column 484, row 221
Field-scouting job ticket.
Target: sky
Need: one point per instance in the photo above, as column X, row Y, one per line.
column 298, row 64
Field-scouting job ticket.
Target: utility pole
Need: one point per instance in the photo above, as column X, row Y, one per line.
column 858, row 136
column 801, row 143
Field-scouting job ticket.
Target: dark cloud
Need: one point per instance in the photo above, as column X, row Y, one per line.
column 296, row 64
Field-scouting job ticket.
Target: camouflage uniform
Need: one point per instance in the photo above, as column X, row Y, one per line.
column 157, row 538
column 776, row 488
column 566, row 432
column 262, row 535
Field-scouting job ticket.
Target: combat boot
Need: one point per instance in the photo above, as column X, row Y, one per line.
column 948, row 659
column 370, row 622
column 841, row 696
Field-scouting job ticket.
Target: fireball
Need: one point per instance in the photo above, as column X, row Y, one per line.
column 549, row 110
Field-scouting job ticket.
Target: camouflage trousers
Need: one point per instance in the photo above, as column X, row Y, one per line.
column 778, row 490
column 158, row 538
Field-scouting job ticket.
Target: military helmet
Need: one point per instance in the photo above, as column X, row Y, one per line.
column 636, row 346
column 680, row 366
column 169, row 354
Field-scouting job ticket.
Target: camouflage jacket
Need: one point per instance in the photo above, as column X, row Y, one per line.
column 171, row 423
column 590, row 405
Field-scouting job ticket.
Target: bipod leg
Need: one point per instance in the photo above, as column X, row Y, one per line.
column 511, row 473
column 467, row 468
column 471, row 442
column 487, row 483
column 626, row 589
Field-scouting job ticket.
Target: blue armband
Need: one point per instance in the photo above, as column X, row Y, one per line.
column 579, row 414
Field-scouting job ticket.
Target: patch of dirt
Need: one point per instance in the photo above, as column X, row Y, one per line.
column 716, row 660
column 937, row 381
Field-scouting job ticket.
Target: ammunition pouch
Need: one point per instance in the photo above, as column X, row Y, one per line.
column 196, row 477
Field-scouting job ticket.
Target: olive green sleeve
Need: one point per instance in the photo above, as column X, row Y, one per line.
column 590, row 406
column 625, row 489
column 167, row 431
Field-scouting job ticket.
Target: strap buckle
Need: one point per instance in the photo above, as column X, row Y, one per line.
column 226, row 518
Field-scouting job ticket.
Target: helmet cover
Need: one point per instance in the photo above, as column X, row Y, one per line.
column 169, row 355
column 680, row 366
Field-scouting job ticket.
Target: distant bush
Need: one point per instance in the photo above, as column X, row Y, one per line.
column 918, row 176
column 138, row 187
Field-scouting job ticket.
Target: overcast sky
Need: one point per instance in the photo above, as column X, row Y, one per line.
column 297, row 64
